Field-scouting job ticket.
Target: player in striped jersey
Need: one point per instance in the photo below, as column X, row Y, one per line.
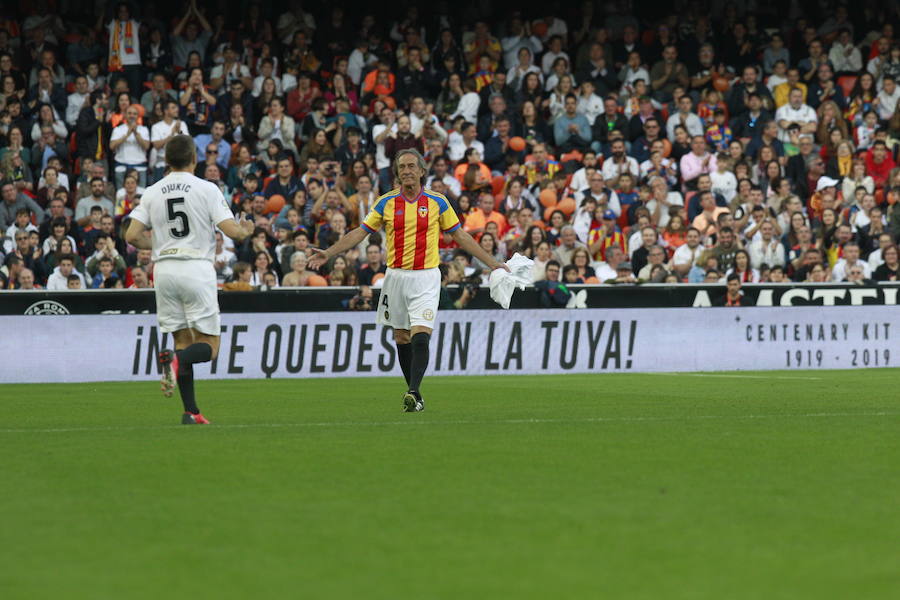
column 413, row 219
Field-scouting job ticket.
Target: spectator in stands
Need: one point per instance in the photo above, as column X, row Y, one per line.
column 795, row 112
column 571, row 131
column 850, row 259
column 887, row 98
column 698, row 162
column 130, row 141
column 13, row 200
column 667, row 73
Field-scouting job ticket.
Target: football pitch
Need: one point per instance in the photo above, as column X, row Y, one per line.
column 752, row 485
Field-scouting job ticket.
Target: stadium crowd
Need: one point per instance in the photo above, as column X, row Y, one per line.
column 607, row 145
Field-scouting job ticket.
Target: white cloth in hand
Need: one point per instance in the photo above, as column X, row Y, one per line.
column 503, row 284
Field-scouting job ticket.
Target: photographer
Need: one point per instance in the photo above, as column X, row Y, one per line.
column 361, row 301
column 467, row 287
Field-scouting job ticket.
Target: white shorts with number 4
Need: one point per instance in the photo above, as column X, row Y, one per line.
column 186, row 295
column 409, row 298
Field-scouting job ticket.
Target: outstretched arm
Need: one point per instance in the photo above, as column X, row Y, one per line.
column 351, row 239
column 468, row 243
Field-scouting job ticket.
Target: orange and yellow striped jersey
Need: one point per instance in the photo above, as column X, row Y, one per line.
column 412, row 227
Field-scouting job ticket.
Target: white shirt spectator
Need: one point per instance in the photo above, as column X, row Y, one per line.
column 468, row 107
column 49, row 245
column 692, row 123
column 59, row 128
column 668, row 163
column 130, row 151
column 257, row 85
column 160, row 131
column 684, row 255
column 237, row 71
column 512, row 44
column 804, row 114
column 127, row 58
column 57, row 282
column 120, row 193
column 228, row 258
column 450, row 181
column 630, row 77
column 603, row 272
column 774, row 81
column 381, row 161
column 635, row 241
column 579, row 180
column 674, row 199
column 357, row 63
column 611, row 169
column 516, row 77
column 842, row 61
column 553, row 80
column 762, row 253
column 458, row 147
column 887, row 103
column 416, row 123
column 875, row 259
column 11, row 231
column 73, row 106
column 549, row 58
column 591, row 107
column 612, row 200
column 724, row 184
column 873, row 66
column 839, row 273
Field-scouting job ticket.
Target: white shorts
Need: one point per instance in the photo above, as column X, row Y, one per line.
column 409, row 298
column 186, row 295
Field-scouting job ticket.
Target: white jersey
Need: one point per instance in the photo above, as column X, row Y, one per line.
column 182, row 211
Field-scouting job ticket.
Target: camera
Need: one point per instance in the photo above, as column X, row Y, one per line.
column 472, row 283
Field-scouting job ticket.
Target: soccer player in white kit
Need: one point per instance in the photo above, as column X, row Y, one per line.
column 181, row 213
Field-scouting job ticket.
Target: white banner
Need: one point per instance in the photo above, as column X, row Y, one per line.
column 256, row 345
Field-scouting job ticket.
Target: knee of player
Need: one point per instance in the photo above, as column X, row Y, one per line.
column 401, row 336
column 420, row 338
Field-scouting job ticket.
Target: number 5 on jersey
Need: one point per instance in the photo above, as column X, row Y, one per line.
column 184, row 227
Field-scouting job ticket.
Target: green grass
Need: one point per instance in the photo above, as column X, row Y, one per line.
column 780, row 485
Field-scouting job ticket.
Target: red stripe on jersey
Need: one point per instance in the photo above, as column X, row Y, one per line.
column 399, row 231
column 421, row 232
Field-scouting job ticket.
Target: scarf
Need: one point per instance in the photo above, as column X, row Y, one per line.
column 115, row 60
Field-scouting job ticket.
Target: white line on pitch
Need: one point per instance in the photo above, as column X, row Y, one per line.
column 460, row 422
column 729, row 376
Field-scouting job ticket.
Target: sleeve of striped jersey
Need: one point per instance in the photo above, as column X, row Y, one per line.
column 375, row 219
column 449, row 221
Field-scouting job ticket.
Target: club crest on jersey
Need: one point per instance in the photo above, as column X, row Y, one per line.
column 423, row 212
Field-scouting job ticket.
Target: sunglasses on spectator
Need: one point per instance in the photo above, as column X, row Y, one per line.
column 212, row 151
